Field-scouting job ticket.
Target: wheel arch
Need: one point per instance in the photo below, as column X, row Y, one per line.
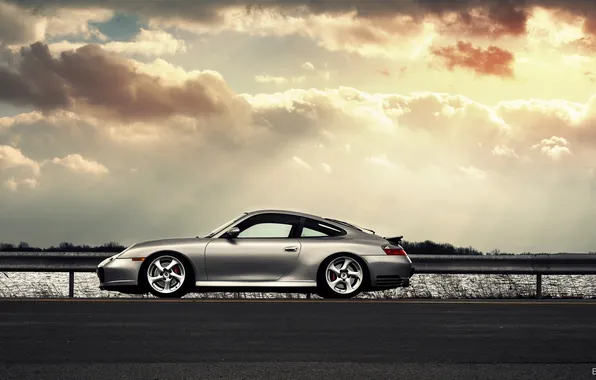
column 142, row 281
column 361, row 261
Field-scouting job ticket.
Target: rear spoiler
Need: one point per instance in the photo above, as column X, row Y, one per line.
column 394, row 240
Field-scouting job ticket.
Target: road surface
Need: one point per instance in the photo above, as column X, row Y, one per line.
column 304, row 339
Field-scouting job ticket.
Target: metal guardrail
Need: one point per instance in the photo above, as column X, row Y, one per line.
column 538, row 265
column 70, row 262
column 555, row 264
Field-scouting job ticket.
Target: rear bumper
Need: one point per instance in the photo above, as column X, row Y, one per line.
column 387, row 272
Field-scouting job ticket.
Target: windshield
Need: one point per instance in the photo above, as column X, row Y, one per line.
column 225, row 225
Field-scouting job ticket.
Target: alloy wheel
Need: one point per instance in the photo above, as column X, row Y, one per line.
column 166, row 274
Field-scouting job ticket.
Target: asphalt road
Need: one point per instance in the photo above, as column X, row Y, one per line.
column 193, row 339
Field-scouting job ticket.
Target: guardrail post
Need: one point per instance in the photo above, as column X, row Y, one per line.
column 71, row 284
column 539, row 286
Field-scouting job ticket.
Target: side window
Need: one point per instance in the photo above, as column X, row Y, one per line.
column 307, row 232
column 267, row 230
column 269, row 225
column 313, row 228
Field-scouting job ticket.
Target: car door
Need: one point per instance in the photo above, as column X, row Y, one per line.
column 264, row 250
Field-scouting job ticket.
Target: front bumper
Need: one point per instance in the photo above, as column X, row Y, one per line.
column 117, row 274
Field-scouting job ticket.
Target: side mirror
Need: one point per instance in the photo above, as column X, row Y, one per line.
column 233, row 232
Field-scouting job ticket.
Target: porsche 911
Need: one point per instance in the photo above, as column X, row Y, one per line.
column 274, row 251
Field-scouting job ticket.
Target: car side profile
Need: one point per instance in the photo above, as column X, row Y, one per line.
column 263, row 251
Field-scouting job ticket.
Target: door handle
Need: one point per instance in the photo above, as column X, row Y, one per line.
column 290, row 249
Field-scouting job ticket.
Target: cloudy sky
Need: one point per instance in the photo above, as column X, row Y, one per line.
column 471, row 122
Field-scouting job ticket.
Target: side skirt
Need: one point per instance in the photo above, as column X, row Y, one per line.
column 252, row 289
column 256, row 286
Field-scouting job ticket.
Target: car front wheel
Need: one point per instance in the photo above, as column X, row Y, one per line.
column 166, row 276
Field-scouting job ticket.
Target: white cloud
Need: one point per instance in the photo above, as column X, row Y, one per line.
column 278, row 80
column 169, row 72
column 435, row 140
column 308, row 66
column 11, row 184
column 381, row 160
column 19, row 26
column 11, row 157
column 23, row 118
column 369, row 37
column 543, row 26
column 29, row 182
column 146, row 42
column 300, row 162
column 15, row 184
column 502, row 150
column 76, row 163
column 554, row 147
column 76, row 22
column 473, row 172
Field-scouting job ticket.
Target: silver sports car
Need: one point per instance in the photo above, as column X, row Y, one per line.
column 263, row 251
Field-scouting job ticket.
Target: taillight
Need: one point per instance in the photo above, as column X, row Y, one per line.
column 394, row 251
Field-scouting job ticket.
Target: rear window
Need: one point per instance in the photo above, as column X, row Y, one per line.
column 314, row 228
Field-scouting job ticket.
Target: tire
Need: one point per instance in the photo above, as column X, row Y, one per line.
column 334, row 283
column 175, row 279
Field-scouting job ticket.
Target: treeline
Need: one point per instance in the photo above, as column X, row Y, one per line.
column 431, row 248
column 62, row 247
column 419, row 248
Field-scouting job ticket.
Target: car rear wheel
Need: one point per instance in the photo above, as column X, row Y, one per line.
column 341, row 276
column 167, row 276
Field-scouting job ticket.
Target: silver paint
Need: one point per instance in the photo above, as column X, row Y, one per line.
column 292, row 264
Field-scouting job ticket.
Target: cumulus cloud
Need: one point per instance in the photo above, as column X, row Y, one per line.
column 12, row 158
column 308, row 66
column 337, row 32
column 278, row 80
column 20, row 119
column 479, row 16
column 18, row 25
column 92, row 80
column 146, row 43
column 395, row 29
column 503, row 150
column 380, row 160
column 62, row 22
column 166, row 71
column 489, row 61
column 446, row 154
column 300, row 162
column 554, row 147
column 25, row 25
column 473, row 172
column 16, row 184
column 76, row 163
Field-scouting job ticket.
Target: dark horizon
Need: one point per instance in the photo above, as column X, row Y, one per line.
column 426, row 247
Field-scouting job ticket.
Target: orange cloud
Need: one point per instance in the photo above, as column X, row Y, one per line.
column 489, row 61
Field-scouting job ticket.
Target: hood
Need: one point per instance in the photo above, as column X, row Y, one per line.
column 168, row 242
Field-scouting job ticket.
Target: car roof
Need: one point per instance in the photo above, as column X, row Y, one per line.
column 342, row 225
column 280, row 211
